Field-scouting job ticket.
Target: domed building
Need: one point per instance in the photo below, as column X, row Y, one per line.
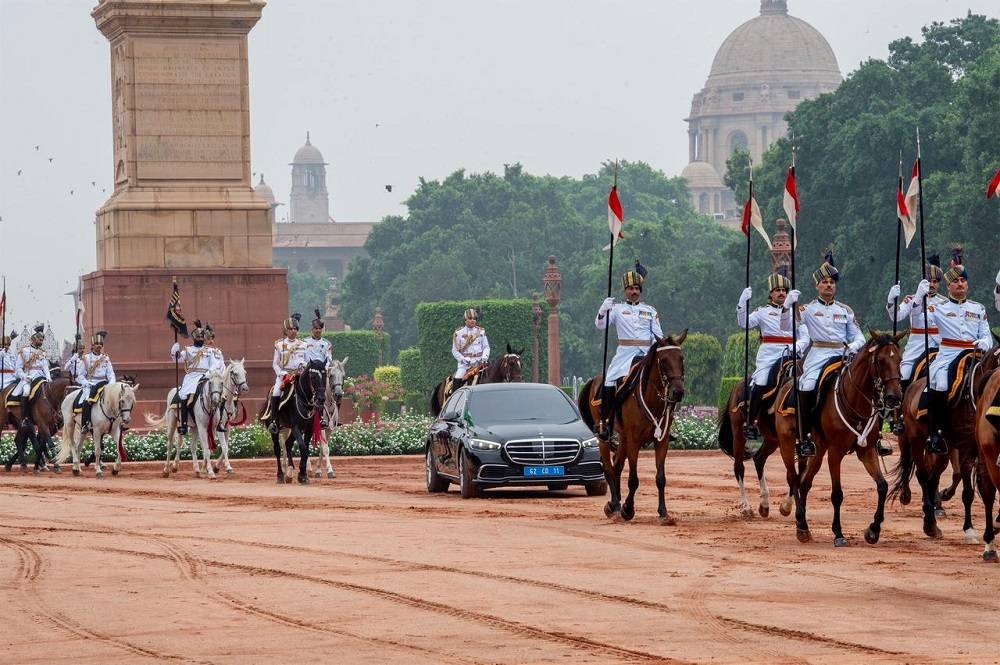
column 309, row 202
column 763, row 69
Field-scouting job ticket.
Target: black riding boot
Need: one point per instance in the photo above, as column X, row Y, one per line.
column 750, row 431
column 606, row 426
column 25, row 416
column 897, row 415
column 182, row 411
column 272, row 424
column 937, row 405
column 85, row 422
column 807, row 402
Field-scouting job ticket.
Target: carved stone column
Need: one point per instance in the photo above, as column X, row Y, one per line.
column 553, row 287
column 536, row 324
column 378, row 325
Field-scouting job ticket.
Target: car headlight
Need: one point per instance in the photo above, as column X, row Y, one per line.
column 483, row 444
column 592, row 442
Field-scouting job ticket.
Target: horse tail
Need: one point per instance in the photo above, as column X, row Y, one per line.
column 583, row 402
column 154, row 420
column 726, row 430
column 68, row 433
column 435, row 402
column 902, row 471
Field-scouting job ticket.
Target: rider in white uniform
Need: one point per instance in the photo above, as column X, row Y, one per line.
column 318, row 348
column 198, row 361
column 29, row 364
column 774, row 321
column 963, row 325
column 96, row 371
column 637, row 325
column 7, row 360
column 469, row 347
column 289, row 358
column 832, row 332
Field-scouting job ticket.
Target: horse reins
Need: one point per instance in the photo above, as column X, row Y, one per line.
column 661, row 424
column 877, row 404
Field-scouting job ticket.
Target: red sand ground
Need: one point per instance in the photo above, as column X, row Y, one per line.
column 369, row 568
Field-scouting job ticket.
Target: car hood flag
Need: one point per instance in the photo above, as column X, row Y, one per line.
column 912, row 199
column 790, row 202
column 994, row 188
column 616, row 217
column 752, row 217
column 905, row 218
column 174, row 313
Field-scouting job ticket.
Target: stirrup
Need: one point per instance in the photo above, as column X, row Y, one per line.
column 272, row 426
column 936, row 444
column 897, row 427
column 182, row 429
column 88, row 427
column 883, row 448
column 750, row 432
column 805, row 448
column 26, row 422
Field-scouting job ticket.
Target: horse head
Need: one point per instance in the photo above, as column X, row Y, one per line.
column 235, row 377
column 667, row 358
column 121, row 398
column 335, row 375
column 883, row 350
column 508, row 367
column 214, row 384
column 313, row 383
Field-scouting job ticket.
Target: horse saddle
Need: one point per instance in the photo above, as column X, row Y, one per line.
column 824, row 383
column 191, row 399
column 623, row 386
column 93, row 399
column 959, row 376
column 471, row 379
column 32, row 391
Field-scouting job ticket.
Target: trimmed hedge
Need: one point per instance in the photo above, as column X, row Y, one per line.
column 505, row 322
column 702, row 365
column 725, row 389
column 362, row 347
column 416, row 395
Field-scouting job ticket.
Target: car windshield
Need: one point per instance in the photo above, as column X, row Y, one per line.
column 493, row 407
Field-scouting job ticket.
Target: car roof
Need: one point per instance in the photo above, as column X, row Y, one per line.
column 510, row 387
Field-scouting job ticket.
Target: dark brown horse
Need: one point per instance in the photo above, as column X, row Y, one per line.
column 961, row 436
column 848, row 418
column 644, row 415
column 988, row 442
column 56, row 392
column 299, row 414
column 46, row 421
column 505, row 369
column 733, row 442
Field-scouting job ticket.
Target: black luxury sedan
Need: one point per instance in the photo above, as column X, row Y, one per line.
column 511, row 434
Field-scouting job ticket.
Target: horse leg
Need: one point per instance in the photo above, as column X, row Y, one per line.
column 869, row 457
column 289, row 463
column 759, row 459
column 205, row 452
column 612, row 475
column 325, row 449
column 836, row 497
column 987, row 491
column 812, row 467
column 98, row 436
column 968, row 494
column 38, row 445
column 278, row 457
column 628, row 507
column 928, row 484
column 304, row 442
column 956, row 476
column 193, row 440
column 224, row 454
column 661, row 483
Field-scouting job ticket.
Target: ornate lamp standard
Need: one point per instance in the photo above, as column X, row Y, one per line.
column 536, row 324
column 378, row 325
column 553, row 287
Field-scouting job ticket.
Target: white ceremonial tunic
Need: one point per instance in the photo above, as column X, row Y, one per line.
column 218, row 362
column 7, row 361
column 775, row 325
column 832, row 330
column 912, row 308
column 73, row 367
column 318, row 349
column 289, row 357
column 637, row 327
column 961, row 326
column 469, row 347
column 93, row 369
column 29, row 364
column 197, row 362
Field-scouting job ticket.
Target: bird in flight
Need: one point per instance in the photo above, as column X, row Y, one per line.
column 388, row 188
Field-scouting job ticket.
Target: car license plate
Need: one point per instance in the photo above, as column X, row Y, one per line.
column 543, row 471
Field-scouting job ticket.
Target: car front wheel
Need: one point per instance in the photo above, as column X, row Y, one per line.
column 466, row 474
column 435, row 483
column 596, row 488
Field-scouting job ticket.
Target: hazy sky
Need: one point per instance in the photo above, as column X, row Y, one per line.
column 391, row 91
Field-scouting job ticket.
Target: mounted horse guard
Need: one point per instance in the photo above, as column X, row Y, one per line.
column 471, row 350
column 505, row 369
column 289, row 359
column 234, row 384
column 93, row 372
column 198, row 361
column 30, row 366
column 318, row 348
column 112, row 416
column 336, row 373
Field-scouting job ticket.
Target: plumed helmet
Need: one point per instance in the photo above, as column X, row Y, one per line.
column 828, row 269
column 934, row 268
column 209, row 331
column 7, row 339
column 99, row 338
column 471, row 313
column 292, row 322
column 779, row 279
column 957, row 269
column 318, row 321
column 198, row 334
column 39, row 333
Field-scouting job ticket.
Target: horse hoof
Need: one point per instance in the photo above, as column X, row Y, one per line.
column 115, row 472
column 24, row 468
column 56, row 468
column 627, row 515
column 840, row 542
column 303, row 480
column 230, row 473
column 37, row 471
column 905, row 496
column 608, row 512
column 764, row 510
column 991, row 557
column 318, row 474
column 971, row 537
column 668, row 521
column 281, row 480
column 100, row 475
column 76, row 472
column 331, row 474
column 803, row 535
column 784, row 510
column 165, row 473
column 8, row 467
column 932, row 532
column 871, row 536
column 940, row 513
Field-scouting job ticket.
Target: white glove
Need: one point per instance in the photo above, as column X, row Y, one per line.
column 745, row 297
column 792, row 297
column 923, row 288
column 984, row 345
column 606, row 306
column 483, row 360
column 175, row 348
column 998, row 278
column 855, row 346
column 893, row 294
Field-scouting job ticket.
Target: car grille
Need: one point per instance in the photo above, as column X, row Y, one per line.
column 542, row 451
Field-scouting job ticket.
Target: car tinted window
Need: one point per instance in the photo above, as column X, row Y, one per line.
column 454, row 406
column 505, row 406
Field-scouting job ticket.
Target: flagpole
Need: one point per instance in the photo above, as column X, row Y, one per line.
column 923, row 262
column 746, row 322
column 899, row 233
column 611, row 260
column 795, row 327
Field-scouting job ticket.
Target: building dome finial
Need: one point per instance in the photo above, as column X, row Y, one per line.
column 307, row 137
column 773, row 7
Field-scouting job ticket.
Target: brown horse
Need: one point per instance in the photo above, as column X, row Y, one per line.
column 961, row 436
column 645, row 414
column 988, row 441
column 56, row 392
column 46, row 421
column 848, row 418
column 505, row 369
column 733, row 442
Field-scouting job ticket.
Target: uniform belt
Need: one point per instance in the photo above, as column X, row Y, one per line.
column 828, row 345
column 767, row 339
column 471, row 355
column 634, row 342
column 956, row 343
column 6, row 371
column 921, row 331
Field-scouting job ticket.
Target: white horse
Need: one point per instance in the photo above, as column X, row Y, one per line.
column 335, row 375
column 234, row 384
column 205, row 407
column 111, row 415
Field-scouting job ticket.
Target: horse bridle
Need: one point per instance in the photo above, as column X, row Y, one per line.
column 506, row 363
column 121, row 408
column 877, row 403
column 312, row 400
column 662, row 424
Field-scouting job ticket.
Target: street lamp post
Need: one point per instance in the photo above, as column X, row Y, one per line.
column 553, row 288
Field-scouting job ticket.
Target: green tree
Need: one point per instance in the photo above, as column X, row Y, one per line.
column 307, row 291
